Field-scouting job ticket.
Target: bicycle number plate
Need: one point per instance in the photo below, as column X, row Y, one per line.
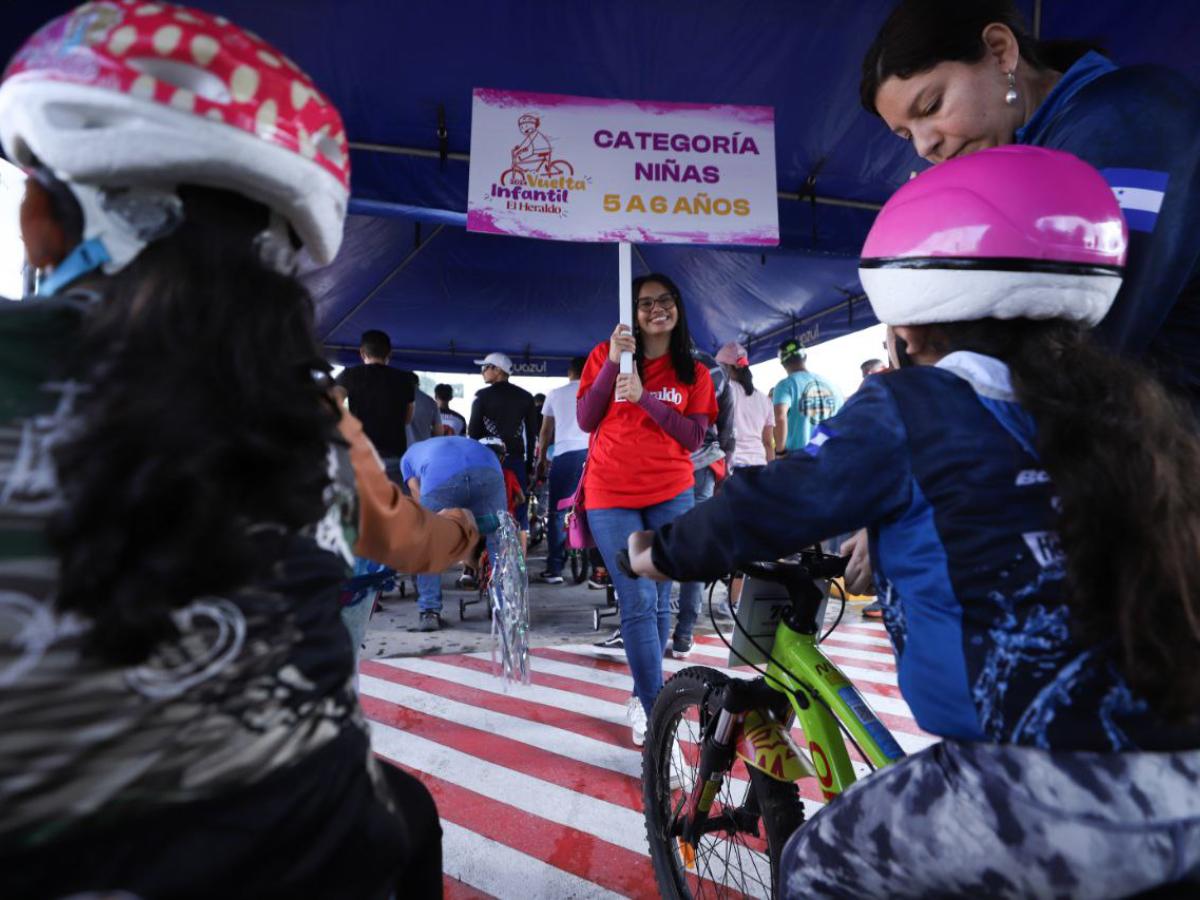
column 759, row 611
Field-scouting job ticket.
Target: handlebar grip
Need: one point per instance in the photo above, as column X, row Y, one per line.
column 624, row 565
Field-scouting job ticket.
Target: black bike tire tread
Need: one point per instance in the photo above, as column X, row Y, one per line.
column 780, row 807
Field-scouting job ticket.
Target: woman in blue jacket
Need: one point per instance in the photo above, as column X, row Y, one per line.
column 1034, row 517
column 954, row 78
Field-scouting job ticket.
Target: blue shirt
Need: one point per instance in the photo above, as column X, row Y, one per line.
column 939, row 464
column 1140, row 126
column 434, row 461
column 809, row 400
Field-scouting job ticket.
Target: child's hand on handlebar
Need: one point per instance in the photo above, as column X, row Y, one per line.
column 640, row 560
column 858, row 566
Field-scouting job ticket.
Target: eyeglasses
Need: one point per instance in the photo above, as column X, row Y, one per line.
column 666, row 301
column 487, row 366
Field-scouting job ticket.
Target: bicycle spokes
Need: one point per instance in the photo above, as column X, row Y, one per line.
column 726, row 854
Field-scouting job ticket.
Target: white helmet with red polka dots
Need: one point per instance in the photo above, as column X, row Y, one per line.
column 121, row 94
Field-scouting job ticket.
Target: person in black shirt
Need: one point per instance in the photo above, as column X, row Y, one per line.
column 506, row 411
column 451, row 419
column 381, row 398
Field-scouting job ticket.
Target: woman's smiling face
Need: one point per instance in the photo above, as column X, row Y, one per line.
column 657, row 312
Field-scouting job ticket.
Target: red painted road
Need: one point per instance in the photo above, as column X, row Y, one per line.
column 539, row 787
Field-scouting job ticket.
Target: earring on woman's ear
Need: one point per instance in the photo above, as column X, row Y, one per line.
column 1011, row 96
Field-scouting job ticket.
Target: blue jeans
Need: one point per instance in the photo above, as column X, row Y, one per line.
column 645, row 605
column 691, row 593
column 564, row 478
column 482, row 492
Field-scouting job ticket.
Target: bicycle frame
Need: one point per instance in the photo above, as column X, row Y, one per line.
column 818, row 693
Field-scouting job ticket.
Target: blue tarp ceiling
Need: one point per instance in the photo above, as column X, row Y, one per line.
column 399, row 70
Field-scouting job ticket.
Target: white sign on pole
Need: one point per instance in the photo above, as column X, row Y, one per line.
column 584, row 169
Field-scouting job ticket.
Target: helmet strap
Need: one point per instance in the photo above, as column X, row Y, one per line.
column 86, row 257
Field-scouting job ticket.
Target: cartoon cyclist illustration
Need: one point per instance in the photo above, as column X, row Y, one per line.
column 533, row 155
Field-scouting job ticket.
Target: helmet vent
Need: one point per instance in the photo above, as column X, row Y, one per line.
column 330, row 149
column 192, row 78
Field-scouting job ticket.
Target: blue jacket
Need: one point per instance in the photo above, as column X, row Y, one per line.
column 939, row 463
column 1140, row 126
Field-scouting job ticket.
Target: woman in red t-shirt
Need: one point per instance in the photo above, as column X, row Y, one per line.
column 639, row 470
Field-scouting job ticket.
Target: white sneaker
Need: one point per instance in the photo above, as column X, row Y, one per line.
column 678, row 764
column 637, row 720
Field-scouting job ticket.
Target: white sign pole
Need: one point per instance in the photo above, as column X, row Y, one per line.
column 625, row 275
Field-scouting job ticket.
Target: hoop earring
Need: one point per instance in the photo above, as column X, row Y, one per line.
column 1010, row 97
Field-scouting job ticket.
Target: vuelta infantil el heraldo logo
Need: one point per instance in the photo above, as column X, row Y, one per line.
column 536, row 181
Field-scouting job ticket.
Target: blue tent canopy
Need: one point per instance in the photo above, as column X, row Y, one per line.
column 402, row 75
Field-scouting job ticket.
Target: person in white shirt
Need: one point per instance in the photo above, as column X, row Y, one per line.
column 560, row 430
column 753, row 415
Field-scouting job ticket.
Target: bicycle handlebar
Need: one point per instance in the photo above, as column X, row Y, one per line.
column 803, row 565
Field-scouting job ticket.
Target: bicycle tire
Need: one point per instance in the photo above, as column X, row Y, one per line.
column 780, row 810
column 579, row 566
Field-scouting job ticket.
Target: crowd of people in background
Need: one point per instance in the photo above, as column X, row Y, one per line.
column 648, row 445
column 179, row 706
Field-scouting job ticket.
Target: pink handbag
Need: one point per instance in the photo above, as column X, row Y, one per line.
column 579, row 536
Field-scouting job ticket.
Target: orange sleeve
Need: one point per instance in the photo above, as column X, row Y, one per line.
column 394, row 529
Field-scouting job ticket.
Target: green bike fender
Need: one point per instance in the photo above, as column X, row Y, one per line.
column 766, row 745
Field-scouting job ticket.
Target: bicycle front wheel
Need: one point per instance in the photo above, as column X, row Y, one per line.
column 758, row 812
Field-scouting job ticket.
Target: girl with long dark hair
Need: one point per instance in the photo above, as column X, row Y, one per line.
column 954, row 77
column 181, row 497
column 639, row 474
column 1034, row 515
column 753, row 414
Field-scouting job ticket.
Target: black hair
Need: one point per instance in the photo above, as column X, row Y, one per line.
column 920, row 34
column 443, row 392
column 868, row 366
column 537, row 397
column 1132, row 546
column 741, row 374
column 576, row 365
column 190, row 435
column 680, row 346
column 376, row 344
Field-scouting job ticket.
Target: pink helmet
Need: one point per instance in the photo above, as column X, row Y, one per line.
column 118, row 94
column 1012, row 232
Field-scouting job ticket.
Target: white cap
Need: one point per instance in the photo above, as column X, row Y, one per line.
column 499, row 360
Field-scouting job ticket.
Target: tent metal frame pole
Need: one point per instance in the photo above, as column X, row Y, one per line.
column 455, row 351
column 466, row 157
column 412, row 254
column 794, row 323
column 1037, row 20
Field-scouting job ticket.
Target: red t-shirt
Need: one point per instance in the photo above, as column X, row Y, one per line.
column 632, row 463
column 512, row 490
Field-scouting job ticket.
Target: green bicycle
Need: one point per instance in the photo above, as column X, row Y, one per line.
column 720, row 767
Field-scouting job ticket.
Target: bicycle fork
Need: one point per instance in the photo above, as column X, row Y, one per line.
column 747, row 727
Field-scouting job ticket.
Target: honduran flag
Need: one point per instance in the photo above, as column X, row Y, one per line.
column 1140, row 194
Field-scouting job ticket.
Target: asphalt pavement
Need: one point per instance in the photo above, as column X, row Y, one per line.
column 559, row 614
